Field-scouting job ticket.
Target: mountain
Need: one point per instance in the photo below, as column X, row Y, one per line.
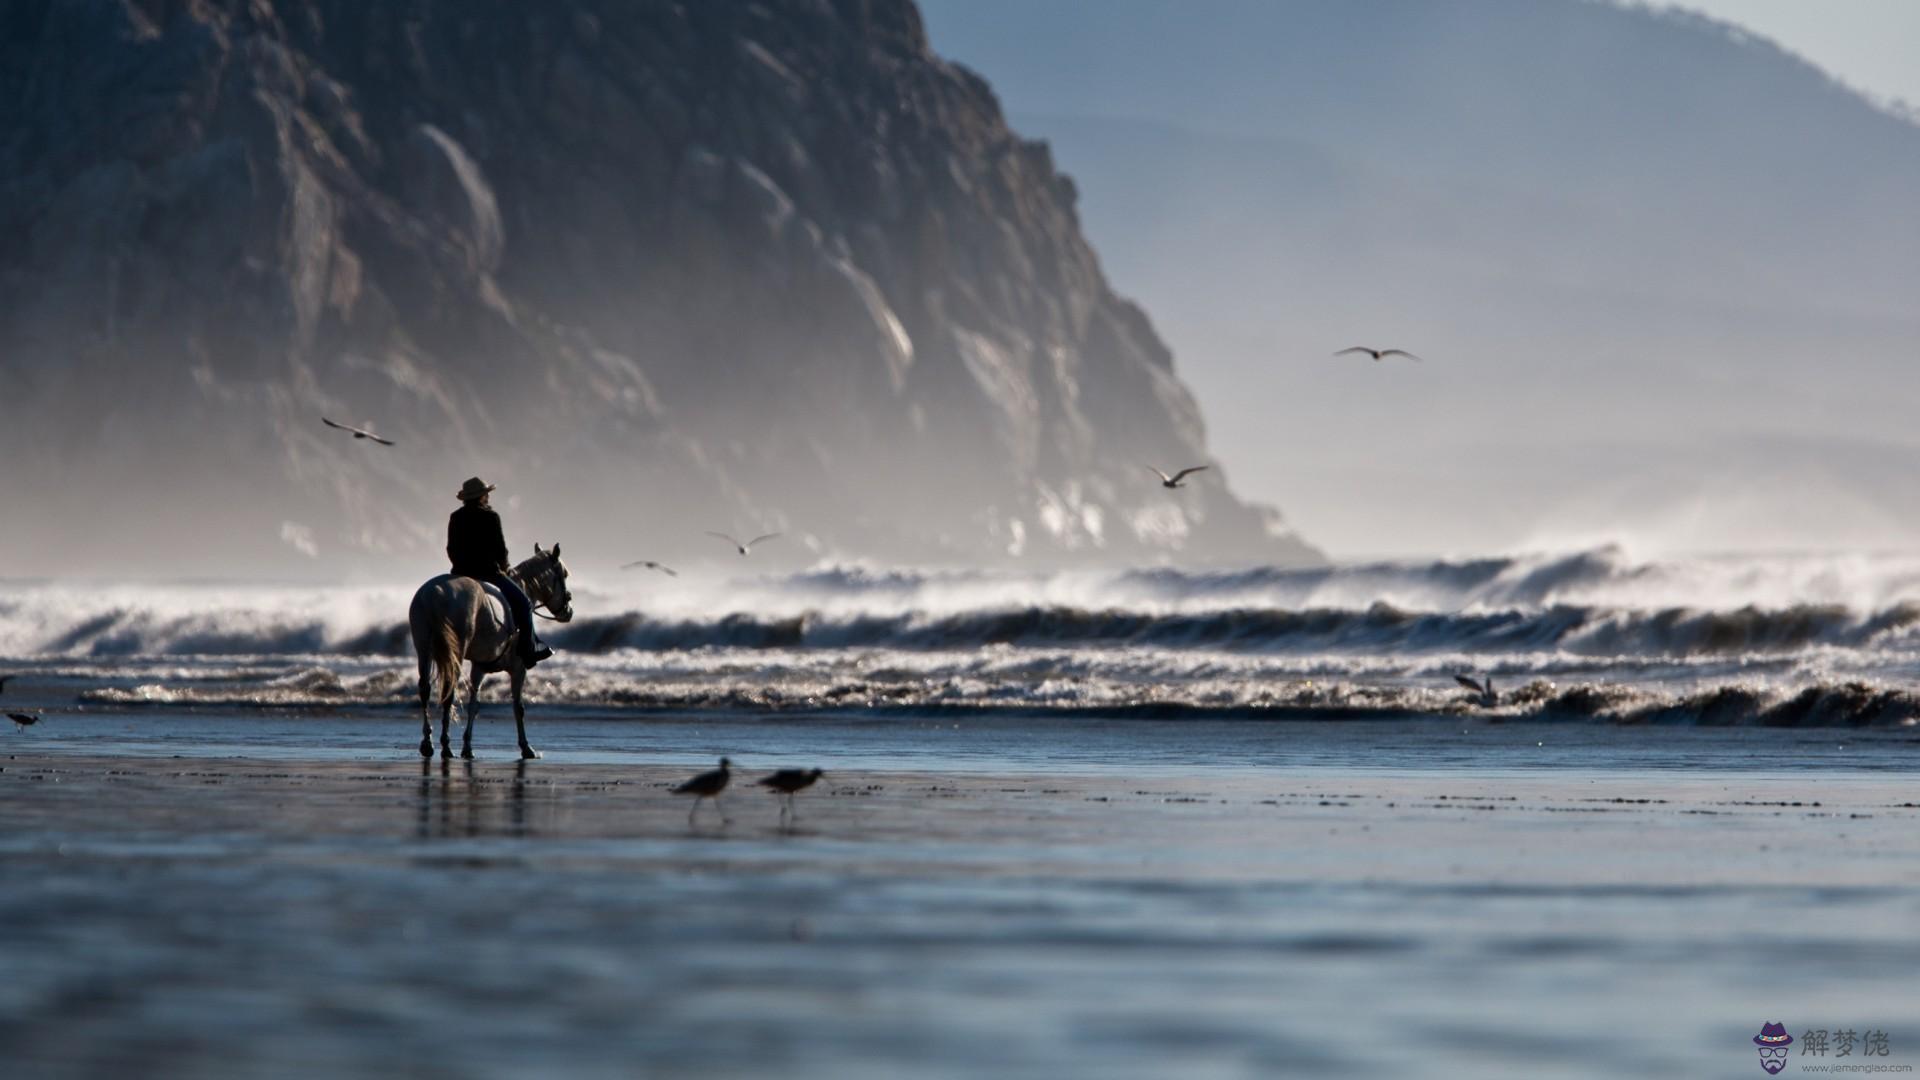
column 653, row 268
column 1650, row 259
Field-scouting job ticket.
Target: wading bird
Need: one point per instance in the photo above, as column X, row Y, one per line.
column 1377, row 354
column 708, row 785
column 651, row 565
column 742, row 548
column 23, row 720
column 1174, row 480
column 357, row 433
column 790, row 782
column 1488, row 696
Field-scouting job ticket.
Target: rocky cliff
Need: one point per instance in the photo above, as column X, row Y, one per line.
column 652, row 267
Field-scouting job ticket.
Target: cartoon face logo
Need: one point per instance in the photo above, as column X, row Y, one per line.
column 1773, row 1041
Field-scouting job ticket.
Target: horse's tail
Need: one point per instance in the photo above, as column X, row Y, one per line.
column 436, row 641
column 446, row 657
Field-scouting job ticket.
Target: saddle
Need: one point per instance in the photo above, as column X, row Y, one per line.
column 502, row 610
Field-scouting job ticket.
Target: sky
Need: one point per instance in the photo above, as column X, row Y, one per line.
column 1663, row 276
column 1868, row 44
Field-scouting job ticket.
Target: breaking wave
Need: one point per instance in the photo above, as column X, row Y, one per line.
column 1382, row 627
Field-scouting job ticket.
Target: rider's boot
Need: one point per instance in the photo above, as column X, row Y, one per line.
column 531, row 651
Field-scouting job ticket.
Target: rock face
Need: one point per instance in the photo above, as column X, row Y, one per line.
column 651, row 267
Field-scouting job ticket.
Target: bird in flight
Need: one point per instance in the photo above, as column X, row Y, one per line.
column 1174, row 480
column 357, row 433
column 651, row 565
column 23, row 720
column 1489, row 697
column 1377, row 354
column 743, row 548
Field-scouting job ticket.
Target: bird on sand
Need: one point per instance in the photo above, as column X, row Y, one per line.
column 1173, row 481
column 743, row 548
column 1377, row 354
column 708, row 785
column 1489, row 697
column 357, row 433
column 651, row 565
column 23, row 720
column 790, row 782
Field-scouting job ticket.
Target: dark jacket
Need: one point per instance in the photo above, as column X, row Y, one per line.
column 475, row 544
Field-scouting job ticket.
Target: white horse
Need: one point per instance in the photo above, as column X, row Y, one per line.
column 455, row 621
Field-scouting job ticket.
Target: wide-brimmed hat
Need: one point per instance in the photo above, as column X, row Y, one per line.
column 474, row 488
column 1773, row 1035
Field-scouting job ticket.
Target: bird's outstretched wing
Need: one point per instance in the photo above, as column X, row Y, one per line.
column 357, row 433
column 1358, row 349
column 1183, row 473
column 651, row 565
column 1164, row 478
column 725, row 537
column 1398, row 352
column 757, row 539
column 1470, row 684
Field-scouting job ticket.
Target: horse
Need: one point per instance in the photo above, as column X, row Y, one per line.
column 455, row 622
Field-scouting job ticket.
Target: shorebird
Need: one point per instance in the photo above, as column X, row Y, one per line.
column 789, row 782
column 742, row 548
column 1173, row 481
column 708, row 785
column 1377, row 354
column 23, row 720
column 357, row 433
column 651, row 565
column 1489, row 697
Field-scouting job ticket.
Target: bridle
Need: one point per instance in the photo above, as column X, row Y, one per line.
column 544, row 580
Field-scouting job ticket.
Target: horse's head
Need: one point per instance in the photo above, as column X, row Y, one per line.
column 545, row 579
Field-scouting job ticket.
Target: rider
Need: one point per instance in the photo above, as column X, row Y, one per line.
column 478, row 549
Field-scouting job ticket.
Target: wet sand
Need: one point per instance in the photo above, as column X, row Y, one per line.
column 165, row 916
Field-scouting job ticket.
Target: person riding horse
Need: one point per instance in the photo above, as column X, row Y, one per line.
column 477, row 547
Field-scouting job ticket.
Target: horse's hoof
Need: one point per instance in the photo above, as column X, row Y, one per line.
column 426, row 748
column 528, row 753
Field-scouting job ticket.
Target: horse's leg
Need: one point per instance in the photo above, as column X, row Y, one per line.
column 426, row 688
column 450, row 690
column 517, row 672
column 473, row 714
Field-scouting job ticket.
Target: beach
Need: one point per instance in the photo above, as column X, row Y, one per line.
column 1357, row 903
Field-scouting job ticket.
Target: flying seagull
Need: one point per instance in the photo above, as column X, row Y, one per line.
column 357, row 433
column 789, row 782
column 651, row 565
column 742, row 548
column 23, row 720
column 1489, row 697
column 708, row 785
column 1377, row 354
column 1174, row 480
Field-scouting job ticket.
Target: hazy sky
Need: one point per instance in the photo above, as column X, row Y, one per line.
column 1663, row 278
column 1869, row 44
